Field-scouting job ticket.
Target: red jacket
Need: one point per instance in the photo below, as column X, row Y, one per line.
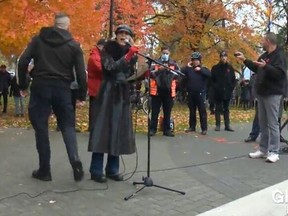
column 95, row 75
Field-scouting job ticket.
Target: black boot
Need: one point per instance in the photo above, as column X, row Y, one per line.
column 78, row 171
column 168, row 133
column 218, row 120
column 227, row 121
column 42, row 175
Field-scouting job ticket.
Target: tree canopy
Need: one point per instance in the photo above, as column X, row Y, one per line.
column 208, row 26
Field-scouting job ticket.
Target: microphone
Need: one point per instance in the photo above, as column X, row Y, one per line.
column 128, row 43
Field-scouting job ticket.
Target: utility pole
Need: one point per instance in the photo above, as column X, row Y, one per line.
column 111, row 19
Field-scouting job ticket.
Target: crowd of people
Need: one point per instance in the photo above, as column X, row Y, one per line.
column 10, row 88
column 58, row 61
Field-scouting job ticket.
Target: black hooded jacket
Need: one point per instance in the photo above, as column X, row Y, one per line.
column 224, row 81
column 272, row 78
column 56, row 54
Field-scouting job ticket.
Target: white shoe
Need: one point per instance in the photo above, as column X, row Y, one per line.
column 272, row 157
column 257, row 154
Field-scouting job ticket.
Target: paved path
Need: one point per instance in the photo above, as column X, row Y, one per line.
column 213, row 170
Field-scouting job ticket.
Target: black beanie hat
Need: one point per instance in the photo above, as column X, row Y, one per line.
column 124, row 28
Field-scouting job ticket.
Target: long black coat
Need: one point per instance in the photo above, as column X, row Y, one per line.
column 112, row 130
column 224, row 81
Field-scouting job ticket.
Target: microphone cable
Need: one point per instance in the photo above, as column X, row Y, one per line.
column 53, row 191
column 135, row 128
column 131, row 175
column 192, row 165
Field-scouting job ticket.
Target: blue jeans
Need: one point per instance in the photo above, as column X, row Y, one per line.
column 19, row 105
column 96, row 166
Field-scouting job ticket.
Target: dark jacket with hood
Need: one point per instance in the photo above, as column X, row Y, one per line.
column 55, row 54
column 112, row 129
column 272, row 78
column 224, row 81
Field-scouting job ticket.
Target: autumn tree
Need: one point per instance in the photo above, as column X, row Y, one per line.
column 89, row 19
column 207, row 26
column 280, row 10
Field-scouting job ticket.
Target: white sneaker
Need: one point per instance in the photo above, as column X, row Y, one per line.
column 272, row 157
column 257, row 154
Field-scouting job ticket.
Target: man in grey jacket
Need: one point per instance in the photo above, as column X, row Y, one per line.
column 271, row 83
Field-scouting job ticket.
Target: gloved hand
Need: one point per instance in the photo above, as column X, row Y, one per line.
column 131, row 52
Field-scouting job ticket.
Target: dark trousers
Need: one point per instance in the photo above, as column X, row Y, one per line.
column 255, row 126
column 92, row 111
column 212, row 107
column 96, row 166
column 56, row 95
column 196, row 101
column 222, row 106
column 167, row 103
column 5, row 100
column 74, row 96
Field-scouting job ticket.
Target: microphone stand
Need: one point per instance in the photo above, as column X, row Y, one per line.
column 147, row 181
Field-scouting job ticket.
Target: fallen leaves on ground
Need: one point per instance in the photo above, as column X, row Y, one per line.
column 180, row 115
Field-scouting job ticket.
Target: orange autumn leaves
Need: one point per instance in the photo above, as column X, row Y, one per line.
column 21, row 19
column 206, row 26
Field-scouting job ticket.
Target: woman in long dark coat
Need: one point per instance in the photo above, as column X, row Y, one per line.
column 112, row 130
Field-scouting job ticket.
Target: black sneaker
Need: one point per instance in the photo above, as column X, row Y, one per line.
column 229, row 129
column 78, row 171
column 250, row 139
column 115, row 177
column 189, row 130
column 152, row 133
column 168, row 133
column 98, row 178
column 203, row 132
column 217, row 128
column 43, row 176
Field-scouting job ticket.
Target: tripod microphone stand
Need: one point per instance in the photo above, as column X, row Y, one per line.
column 147, row 181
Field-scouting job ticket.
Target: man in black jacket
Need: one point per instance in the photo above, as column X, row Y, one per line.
column 196, row 76
column 223, row 79
column 55, row 53
column 5, row 79
column 270, row 85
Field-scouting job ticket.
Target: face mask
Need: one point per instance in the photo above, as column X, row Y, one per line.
column 165, row 57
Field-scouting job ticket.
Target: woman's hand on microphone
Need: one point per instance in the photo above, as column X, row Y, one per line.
column 132, row 50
